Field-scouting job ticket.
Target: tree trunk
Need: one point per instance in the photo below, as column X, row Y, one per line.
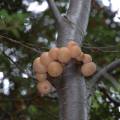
column 72, row 89
column 73, row 92
column 73, row 95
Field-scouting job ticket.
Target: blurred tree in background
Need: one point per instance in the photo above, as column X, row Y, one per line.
column 24, row 35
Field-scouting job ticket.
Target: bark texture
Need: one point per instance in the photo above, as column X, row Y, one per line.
column 72, row 95
column 75, row 22
column 73, row 90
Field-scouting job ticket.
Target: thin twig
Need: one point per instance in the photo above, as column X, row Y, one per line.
column 14, row 63
column 19, row 43
column 104, row 90
column 18, row 66
column 91, row 46
column 101, row 49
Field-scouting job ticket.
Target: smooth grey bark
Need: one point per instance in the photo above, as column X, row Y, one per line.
column 73, row 95
column 75, row 22
column 72, row 89
column 73, row 92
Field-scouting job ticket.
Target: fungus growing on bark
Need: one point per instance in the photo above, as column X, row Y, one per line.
column 38, row 67
column 44, row 87
column 88, row 69
column 53, row 53
column 64, row 55
column 55, row 69
column 80, row 57
column 41, row 77
column 71, row 44
column 75, row 51
column 87, row 58
column 45, row 58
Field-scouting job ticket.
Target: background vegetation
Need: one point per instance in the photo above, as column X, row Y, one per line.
column 24, row 35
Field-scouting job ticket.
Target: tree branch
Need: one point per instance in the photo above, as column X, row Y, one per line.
column 78, row 13
column 75, row 22
column 102, row 72
column 110, row 78
column 105, row 92
column 55, row 11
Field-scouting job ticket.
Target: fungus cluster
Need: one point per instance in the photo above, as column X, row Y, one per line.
column 52, row 63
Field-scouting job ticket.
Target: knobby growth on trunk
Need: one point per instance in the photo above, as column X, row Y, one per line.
column 74, row 91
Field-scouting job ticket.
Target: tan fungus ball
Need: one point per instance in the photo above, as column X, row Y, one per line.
column 53, row 53
column 41, row 77
column 44, row 87
column 88, row 69
column 55, row 69
column 71, row 44
column 87, row 58
column 64, row 55
column 75, row 51
column 45, row 58
column 80, row 57
column 38, row 67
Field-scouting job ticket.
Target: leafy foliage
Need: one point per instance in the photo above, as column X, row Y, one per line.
column 24, row 35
